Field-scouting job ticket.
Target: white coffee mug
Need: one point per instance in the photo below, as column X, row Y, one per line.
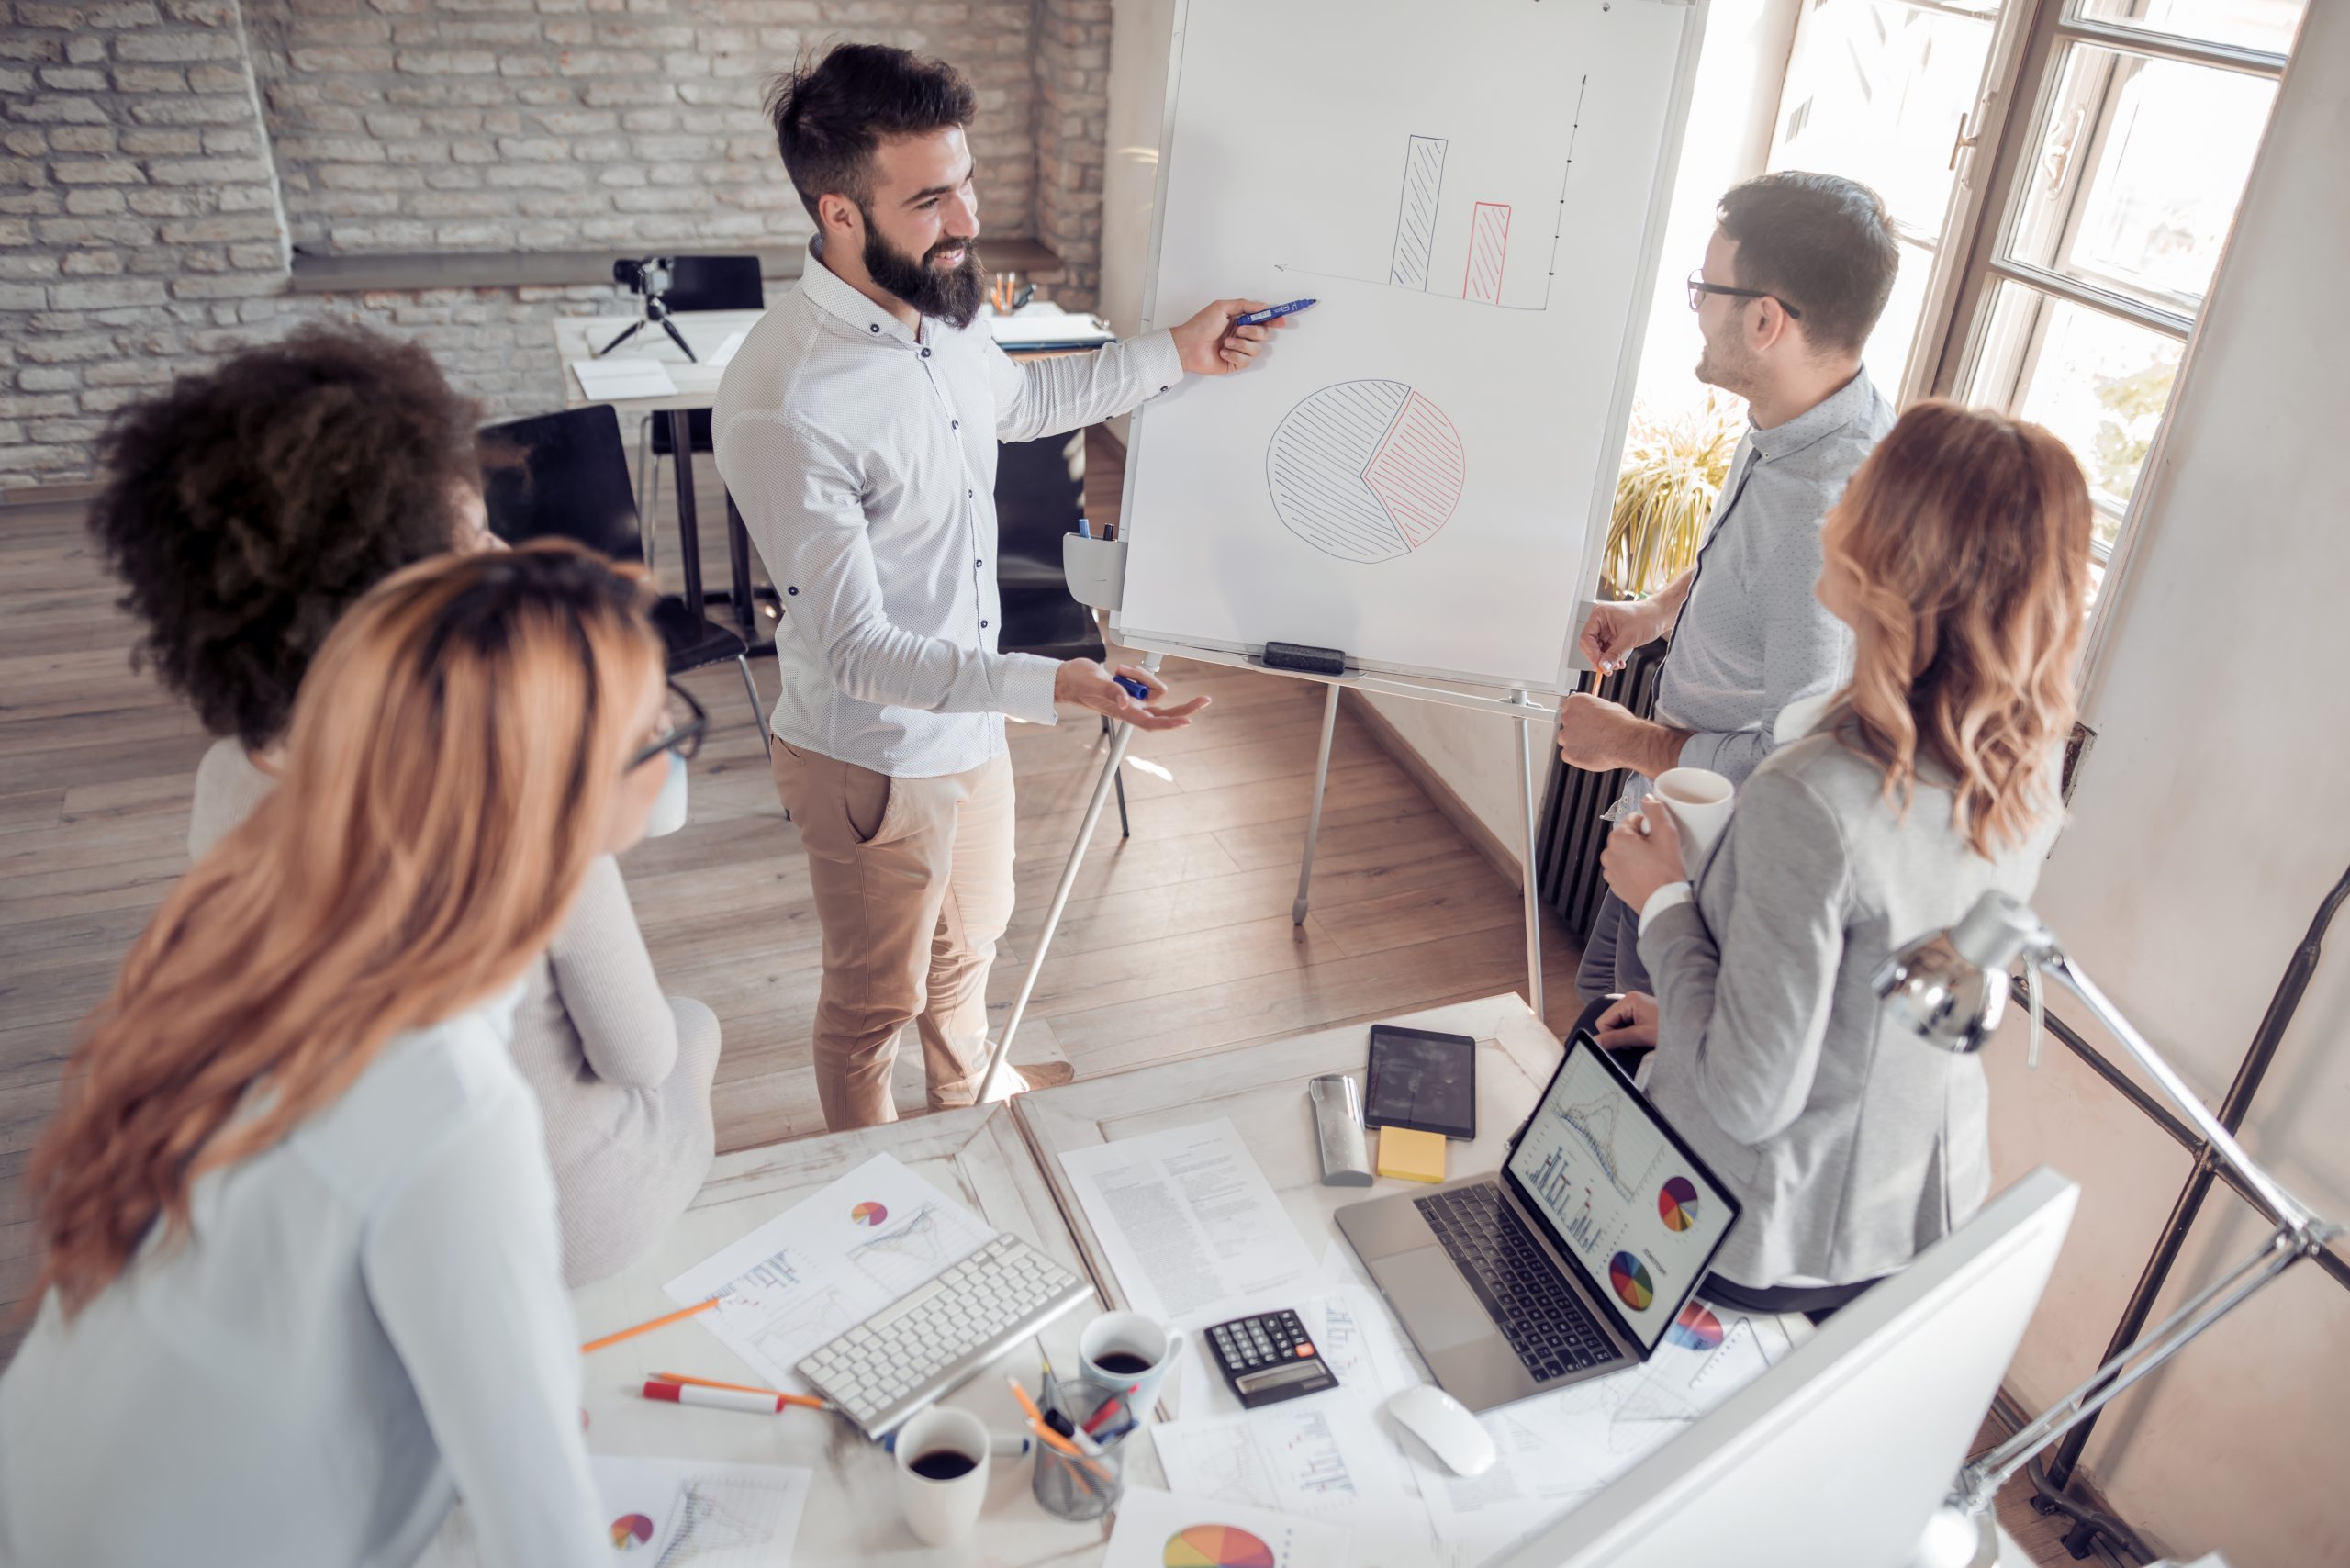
column 1699, row 800
column 1122, row 1350
column 669, row 813
column 942, row 1509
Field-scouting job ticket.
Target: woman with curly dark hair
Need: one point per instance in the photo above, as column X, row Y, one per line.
column 246, row 510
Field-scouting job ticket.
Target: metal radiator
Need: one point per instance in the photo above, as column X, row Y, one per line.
column 1567, row 859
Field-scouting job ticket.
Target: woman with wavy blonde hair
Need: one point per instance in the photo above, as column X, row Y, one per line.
column 1959, row 555
column 302, row 1275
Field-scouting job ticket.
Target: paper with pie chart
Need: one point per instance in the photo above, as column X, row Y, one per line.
column 1170, row 1529
column 668, row 1513
column 827, row 1263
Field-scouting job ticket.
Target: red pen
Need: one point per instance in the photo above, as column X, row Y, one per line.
column 725, row 1398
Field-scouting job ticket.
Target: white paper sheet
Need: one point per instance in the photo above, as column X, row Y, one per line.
column 829, row 1262
column 1192, row 1229
column 724, row 352
column 665, row 1513
column 616, row 380
column 1157, row 1529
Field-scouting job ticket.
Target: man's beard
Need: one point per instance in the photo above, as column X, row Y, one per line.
column 1728, row 365
column 952, row 296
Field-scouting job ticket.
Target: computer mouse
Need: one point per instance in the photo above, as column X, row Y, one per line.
column 1442, row 1422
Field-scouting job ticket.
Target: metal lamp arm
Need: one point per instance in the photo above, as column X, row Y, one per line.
column 2042, row 951
column 1980, row 1482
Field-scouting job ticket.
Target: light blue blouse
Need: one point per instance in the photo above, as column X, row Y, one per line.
column 368, row 1318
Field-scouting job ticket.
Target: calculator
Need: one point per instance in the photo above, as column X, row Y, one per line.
column 1269, row 1358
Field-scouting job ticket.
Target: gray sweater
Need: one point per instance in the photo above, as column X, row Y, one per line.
column 1851, row 1143
column 622, row 1073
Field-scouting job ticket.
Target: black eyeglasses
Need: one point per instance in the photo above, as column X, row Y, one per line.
column 682, row 734
column 1699, row 288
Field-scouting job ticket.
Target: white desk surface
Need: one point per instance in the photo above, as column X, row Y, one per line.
column 578, row 337
column 976, row 1156
column 1262, row 1090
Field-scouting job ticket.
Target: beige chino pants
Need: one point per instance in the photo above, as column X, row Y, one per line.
column 912, row 878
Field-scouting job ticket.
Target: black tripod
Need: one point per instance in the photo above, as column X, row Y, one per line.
column 649, row 277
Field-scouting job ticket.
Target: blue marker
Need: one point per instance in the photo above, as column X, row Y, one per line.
column 1258, row 318
column 1133, row 688
column 1084, row 529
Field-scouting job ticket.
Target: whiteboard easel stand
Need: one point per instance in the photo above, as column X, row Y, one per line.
column 1096, row 567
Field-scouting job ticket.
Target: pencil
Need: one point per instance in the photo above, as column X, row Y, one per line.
column 809, row 1400
column 594, row 1345
column 1036, row 1420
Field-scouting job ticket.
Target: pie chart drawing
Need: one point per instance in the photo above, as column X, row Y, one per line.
column 1632, row 1281
column 1696, row 1329
column 631, row 1531
column 1366, row 471
column 867, row 1214
column 1676, row 1203
column 1217, row 1546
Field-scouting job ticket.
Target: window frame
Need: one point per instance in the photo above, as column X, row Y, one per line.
column 2023, row 80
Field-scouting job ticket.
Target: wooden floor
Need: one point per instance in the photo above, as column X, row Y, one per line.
column 1176, row 941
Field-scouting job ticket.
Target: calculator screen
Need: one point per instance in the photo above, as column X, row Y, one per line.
column 1296, row 1372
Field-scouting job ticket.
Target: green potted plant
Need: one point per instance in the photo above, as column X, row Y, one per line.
column 1673, row 470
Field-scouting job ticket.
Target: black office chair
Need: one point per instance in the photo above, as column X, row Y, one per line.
column 1039, row 496
column 696, row 283
column 565, row 476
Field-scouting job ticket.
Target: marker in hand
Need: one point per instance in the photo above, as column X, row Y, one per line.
column 1273, row 312
column 1132, row 688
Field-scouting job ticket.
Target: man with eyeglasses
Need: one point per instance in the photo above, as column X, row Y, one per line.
column 1795, row 275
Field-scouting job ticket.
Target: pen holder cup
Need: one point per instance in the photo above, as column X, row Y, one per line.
column 1080, row 1488
column 1084, row 1488
column 1096, row 570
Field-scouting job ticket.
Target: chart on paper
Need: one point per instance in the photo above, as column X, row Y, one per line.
column 826, row 1264
column 1366, row 470
column 673, row 1513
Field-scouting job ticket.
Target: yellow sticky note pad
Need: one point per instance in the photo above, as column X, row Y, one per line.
column 1413, row 1156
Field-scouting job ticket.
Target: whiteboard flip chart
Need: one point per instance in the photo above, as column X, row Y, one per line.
column 1472, row 189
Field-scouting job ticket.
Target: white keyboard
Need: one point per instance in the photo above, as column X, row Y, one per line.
column 926, row 1344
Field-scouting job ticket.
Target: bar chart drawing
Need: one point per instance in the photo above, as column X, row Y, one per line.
column 1415, row 211
column 1366, row 471
column 1421, row 226
column 1488, row 251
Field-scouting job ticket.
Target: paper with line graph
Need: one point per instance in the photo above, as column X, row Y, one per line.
column 673, row 1513
column 829, row 1262
column 1413, row 471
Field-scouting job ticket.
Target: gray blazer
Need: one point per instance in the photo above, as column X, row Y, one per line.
column 1851, row 1144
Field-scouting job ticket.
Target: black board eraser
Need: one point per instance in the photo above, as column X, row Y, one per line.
column 1300, row 656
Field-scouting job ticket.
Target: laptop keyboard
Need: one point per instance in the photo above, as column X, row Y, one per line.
column 1536, row 1309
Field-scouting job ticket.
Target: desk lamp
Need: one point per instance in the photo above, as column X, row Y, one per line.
column 1950, row 989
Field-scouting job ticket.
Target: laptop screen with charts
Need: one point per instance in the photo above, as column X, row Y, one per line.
column 1623, row 1197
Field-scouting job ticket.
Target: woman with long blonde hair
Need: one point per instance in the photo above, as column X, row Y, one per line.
column 1959, row 555
column 301, row 1276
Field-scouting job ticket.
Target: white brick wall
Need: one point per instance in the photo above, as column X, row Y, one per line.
column 159, row 158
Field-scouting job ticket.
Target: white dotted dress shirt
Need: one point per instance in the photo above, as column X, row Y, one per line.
column 862, row 455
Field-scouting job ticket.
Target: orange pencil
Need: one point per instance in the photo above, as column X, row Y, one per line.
column 683, row 1312
column 808, row 1400
column 1036, row 1420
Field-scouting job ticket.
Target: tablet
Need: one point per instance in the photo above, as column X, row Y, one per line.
column 1422, row 1081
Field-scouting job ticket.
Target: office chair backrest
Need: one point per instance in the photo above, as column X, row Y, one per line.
column 715, row 283
column 565, row 477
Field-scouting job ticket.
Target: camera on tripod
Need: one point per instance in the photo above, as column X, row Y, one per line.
column 649, row 277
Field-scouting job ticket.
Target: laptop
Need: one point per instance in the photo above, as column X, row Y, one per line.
column 1571, row 1262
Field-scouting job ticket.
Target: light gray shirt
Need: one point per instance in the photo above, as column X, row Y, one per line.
column 1851, row 1143
column 367, row 1318
column 862, row 455
column 1753, row 636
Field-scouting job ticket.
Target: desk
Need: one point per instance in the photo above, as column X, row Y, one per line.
column 1262, row 1090
column 578, row 337
column 976, row 1156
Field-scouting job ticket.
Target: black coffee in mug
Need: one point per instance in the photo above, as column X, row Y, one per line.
column 1124, row 1364
column 944, row 1465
